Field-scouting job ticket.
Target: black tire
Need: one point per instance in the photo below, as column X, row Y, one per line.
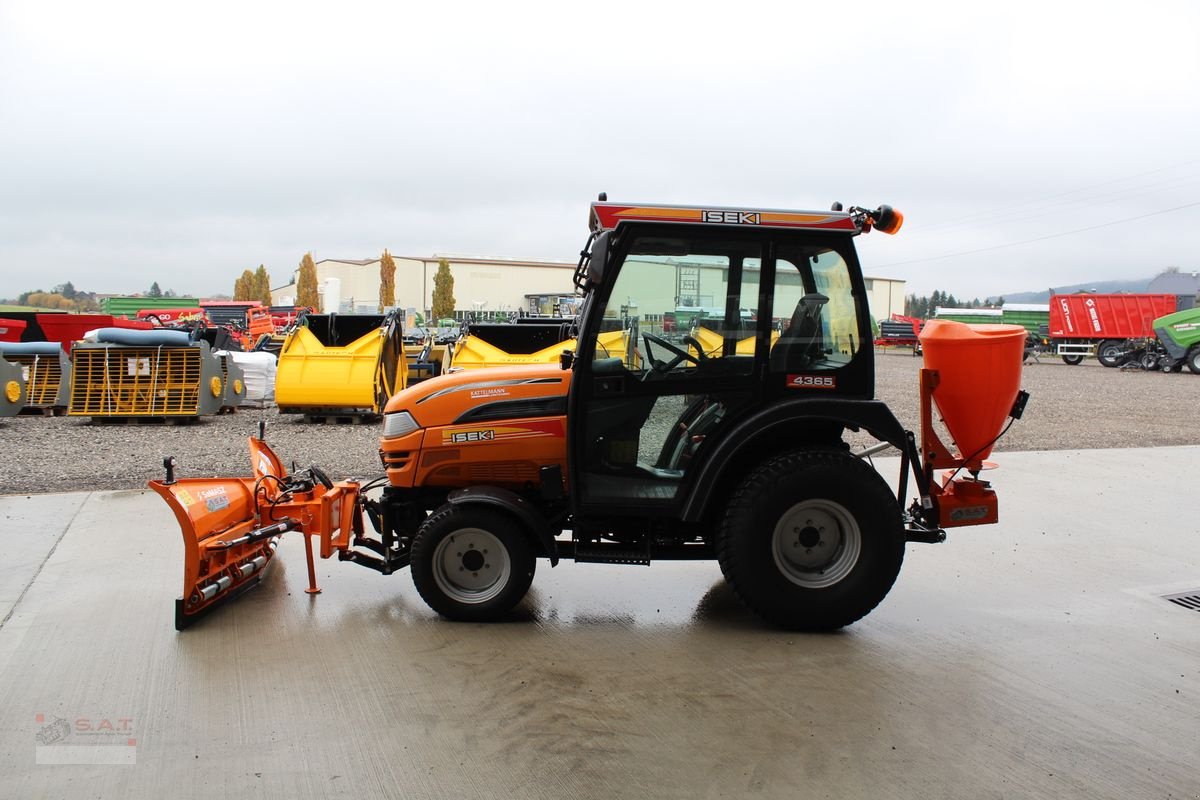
column 1193, row 361
column 811, row 590
column 1073, row 360
column 1110, row 353
column 476, row 583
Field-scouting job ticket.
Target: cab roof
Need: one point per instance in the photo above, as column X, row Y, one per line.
column 606, row 216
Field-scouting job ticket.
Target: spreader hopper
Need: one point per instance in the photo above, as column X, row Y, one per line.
column 972, row 375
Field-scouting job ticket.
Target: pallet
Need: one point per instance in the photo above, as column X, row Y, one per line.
column 42, row 411
column 340, row 419
column 161, row 421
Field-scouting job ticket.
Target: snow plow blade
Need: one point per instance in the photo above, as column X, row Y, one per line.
column 231, row 526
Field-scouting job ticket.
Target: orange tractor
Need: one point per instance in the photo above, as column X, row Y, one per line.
column 690, row 450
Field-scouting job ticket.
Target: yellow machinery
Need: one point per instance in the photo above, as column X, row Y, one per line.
column 534, row 342
column 341, row 365
column 140, row 374
column 12, row 389
column 46, row 369
column 426, row 361
column 712, row 342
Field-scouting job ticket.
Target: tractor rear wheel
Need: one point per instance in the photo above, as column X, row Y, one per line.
column 471, row 564
column 1073, row 360
column 812, row 540
column 1193, row 361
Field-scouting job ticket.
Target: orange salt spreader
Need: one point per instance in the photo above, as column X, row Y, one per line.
column 972, row 374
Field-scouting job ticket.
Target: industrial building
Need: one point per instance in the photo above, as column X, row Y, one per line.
column 491, row 286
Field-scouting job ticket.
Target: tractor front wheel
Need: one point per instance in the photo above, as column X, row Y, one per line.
column 471, row 564
column 812, row 540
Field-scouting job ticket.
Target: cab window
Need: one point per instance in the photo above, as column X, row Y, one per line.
column 678, row 307
column 815, row 317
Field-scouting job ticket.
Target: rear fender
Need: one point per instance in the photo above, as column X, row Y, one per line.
column 777, row 427
column 512, row 503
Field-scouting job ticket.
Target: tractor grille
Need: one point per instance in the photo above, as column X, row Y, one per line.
column 135, row 381
column 396, row 460
column 43, row 379
column 502, row 472
column 1185, row 599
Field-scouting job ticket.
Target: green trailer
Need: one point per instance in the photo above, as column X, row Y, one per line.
column 1030, row 316
column 1179, row 334
column 1033, row 317
column 129, row 306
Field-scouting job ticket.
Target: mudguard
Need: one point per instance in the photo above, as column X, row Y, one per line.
column 516, row 505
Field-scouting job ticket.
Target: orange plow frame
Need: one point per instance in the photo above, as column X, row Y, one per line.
column 231, row 527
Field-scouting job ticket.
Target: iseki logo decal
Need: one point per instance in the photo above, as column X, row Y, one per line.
column 811, row 382
column 731, row 217
column 461, row 437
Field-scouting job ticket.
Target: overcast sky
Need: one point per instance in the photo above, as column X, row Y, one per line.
column 1028, row 144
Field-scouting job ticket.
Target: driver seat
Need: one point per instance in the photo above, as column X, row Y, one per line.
column 800, row 344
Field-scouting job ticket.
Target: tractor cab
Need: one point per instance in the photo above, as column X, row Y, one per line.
column 778, row 318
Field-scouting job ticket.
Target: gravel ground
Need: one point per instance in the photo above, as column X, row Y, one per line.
column 1081, row 407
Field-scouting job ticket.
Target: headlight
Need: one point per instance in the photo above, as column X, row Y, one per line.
column 398, row 424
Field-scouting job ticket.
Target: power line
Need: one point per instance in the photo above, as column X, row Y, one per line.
column 1030, row 241
column 1005, row 210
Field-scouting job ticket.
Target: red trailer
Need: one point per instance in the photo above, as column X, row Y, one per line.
column 11, row 329
column 70, row 328
column 1112, row 327
column 170, row 316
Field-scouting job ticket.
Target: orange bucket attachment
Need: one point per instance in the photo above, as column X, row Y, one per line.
column 979, row 375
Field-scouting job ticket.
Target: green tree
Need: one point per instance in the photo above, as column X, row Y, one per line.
column 387, row 280
column 306, row 284
column 67, row 290
column 154, row 291
column 262, row 286
column 443, row 291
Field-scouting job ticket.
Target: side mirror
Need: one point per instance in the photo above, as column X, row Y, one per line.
column 566, row 359
column 598, row 258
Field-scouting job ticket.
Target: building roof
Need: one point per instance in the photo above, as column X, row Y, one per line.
column 359, row 262
column 1175, row 282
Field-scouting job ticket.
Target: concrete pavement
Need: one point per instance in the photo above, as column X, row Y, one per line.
column 1034, row 658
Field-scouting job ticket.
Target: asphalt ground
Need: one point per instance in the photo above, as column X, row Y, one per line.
column 1035, row 658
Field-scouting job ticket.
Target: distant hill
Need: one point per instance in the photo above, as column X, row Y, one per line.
column 1103, row 287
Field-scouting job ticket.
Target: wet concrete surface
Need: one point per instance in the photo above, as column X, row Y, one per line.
column 1034, row 658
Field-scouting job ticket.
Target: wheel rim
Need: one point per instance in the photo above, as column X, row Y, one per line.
column 816, row 543
column 471, row 566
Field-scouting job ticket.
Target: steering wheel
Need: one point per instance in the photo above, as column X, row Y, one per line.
column 680, row 354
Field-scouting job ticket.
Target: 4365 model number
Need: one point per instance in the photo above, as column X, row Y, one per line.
column 811, row 382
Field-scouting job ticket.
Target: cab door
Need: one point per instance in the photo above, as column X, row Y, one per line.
column 669, row 353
